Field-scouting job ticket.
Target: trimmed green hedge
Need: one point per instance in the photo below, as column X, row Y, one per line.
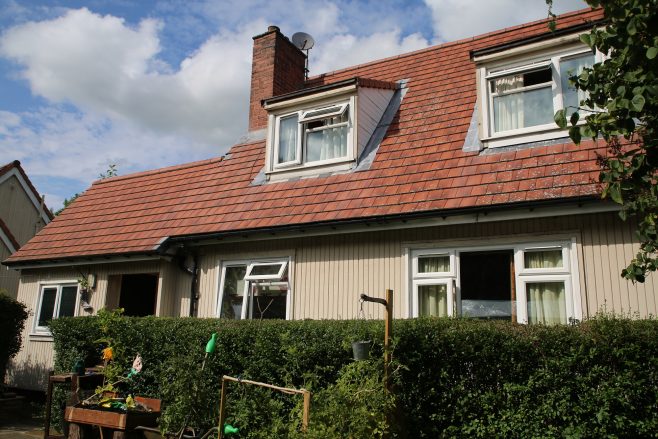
column 12, row 321
column 452, row 378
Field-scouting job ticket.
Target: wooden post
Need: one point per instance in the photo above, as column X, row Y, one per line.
column 49, row 404
column 222, row 408
column 388, row 334
column 307, row 409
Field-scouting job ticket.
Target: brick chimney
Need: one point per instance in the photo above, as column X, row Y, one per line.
column 277, row 68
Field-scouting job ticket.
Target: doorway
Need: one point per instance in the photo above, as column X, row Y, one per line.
column 487, row 285
column 138, row 294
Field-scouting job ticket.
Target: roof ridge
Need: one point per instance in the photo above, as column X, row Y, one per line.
column 449, row 44
column 158, row 171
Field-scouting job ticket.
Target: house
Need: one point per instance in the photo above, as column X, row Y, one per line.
column 22, row 215
column 438, row 174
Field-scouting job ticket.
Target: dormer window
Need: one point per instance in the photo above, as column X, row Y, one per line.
column 313, row 136
column 520, row 90
column 314, row 131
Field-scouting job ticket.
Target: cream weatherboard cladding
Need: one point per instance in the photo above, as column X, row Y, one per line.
column 328, row 273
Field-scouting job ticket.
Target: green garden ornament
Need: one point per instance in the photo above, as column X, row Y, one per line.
column 210, row 346
column 229, row 429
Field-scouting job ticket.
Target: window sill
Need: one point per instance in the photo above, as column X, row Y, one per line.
column 40, row 336
column 310, row 169
column 538, row 135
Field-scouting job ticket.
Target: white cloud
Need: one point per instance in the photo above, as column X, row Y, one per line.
column 345, row 50
column 456, row 19
column 99, row 64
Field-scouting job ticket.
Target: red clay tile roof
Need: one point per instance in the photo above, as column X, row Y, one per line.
column 420, row 167
column 17, row 164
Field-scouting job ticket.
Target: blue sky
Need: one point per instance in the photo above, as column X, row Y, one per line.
column 145, row 84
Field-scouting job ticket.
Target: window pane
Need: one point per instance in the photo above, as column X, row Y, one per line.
column 548, row 258
column 265, row 270
column 233, row 292
column 573, row 67
column 523, row 109
column 433, row 300
column 269, row 301
column 288, row 128
column 326, row 143
column 546, row 302
column 67, row 301
column 47, row 306
column 434, row 264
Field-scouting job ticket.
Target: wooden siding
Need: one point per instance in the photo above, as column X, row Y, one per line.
column 328, row 273
column 8, row 277
column 18, row 212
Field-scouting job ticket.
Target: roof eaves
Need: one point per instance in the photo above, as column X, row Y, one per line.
column 356, row 81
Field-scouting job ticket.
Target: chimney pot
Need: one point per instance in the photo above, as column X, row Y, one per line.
column 273, row 29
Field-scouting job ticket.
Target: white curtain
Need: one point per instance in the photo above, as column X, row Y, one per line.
column 543, row 258
column 288, row 128
column 546, row 302
column 433, row 300
column 328, row 143
column 508, row 109
column 433, row 264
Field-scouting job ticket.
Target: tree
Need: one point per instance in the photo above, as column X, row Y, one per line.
column 622, row 107
column 111, row 171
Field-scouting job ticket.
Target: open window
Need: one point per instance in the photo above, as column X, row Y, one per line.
column 313, row 136
column 520, row 92
column 55, row 300
column 254, row 290
column 524, row 283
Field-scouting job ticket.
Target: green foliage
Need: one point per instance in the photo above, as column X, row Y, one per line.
column 452, row 378
column 623, row 91
column 12, row 322
column 67, row 203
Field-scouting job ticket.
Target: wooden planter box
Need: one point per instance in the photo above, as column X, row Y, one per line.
column 115, row 420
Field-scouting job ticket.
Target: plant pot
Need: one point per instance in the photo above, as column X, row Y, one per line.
column 361, row 349
column 114, row 419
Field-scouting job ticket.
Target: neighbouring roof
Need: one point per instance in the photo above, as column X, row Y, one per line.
column 17, row 165
column 9, row 235
column 420, row 168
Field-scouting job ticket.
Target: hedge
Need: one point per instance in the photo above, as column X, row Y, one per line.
column 452, row 378
column 12, row 321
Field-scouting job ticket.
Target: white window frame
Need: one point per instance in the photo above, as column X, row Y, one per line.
column 43, row 330
column 524, row 62
column 569, row 273
column 247, row 298
column 304, row 115
column 447, row 281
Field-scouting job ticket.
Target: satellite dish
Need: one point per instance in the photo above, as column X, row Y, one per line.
column 303, row 41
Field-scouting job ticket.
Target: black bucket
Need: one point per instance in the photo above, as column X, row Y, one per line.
column 361, row 349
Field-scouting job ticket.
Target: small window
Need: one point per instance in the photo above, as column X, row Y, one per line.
column 538, row 259
column 313, row 136
column 254, row 290
column 521, row 100
column 434, row 264
column 55, row 301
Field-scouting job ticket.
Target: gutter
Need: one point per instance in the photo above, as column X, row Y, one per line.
column 402, row 217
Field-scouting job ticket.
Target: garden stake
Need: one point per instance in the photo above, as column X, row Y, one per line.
column 388, row 330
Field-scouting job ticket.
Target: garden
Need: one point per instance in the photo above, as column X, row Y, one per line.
column 448, row 377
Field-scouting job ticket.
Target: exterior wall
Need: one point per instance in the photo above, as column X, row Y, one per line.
column 328, row 273
column 22, row 218
column 8, row 278
column 18, row 212
column 30, row 367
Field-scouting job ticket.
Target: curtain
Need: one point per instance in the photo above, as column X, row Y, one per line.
column 433, row 300
column 433, row 264
column 328, row 143
column 508, row 109
column 543, row 258
column 233, row 292
column 288, row 128
column 546, row 303
column 573, row 67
